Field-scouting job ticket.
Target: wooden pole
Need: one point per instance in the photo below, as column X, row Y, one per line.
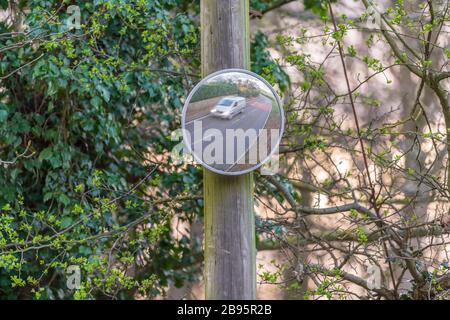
column 230, row 267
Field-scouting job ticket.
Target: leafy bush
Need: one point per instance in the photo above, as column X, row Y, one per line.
column 78, row 142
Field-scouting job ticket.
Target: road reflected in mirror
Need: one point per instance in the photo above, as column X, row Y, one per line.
column 232, row 122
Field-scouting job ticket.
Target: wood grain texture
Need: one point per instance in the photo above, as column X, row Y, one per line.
column 230, row 267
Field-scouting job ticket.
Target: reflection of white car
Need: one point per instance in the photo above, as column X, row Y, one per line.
column 228, row 107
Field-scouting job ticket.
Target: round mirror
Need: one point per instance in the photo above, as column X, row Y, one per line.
column 232, row 122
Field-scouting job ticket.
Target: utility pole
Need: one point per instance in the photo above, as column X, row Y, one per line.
column 230, row 266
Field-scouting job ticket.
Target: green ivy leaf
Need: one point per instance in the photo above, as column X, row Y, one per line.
column 64, row 199
column 3, row 115
column 45, row 154
column 66, row 221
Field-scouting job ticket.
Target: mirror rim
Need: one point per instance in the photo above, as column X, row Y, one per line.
column 186, row 105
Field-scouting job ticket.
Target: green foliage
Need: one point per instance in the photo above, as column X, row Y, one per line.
column 319, row 7
column 72, row 123
column 211, row 90
column 264, row 65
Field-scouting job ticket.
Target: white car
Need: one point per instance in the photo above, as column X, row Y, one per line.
column 228, row 107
